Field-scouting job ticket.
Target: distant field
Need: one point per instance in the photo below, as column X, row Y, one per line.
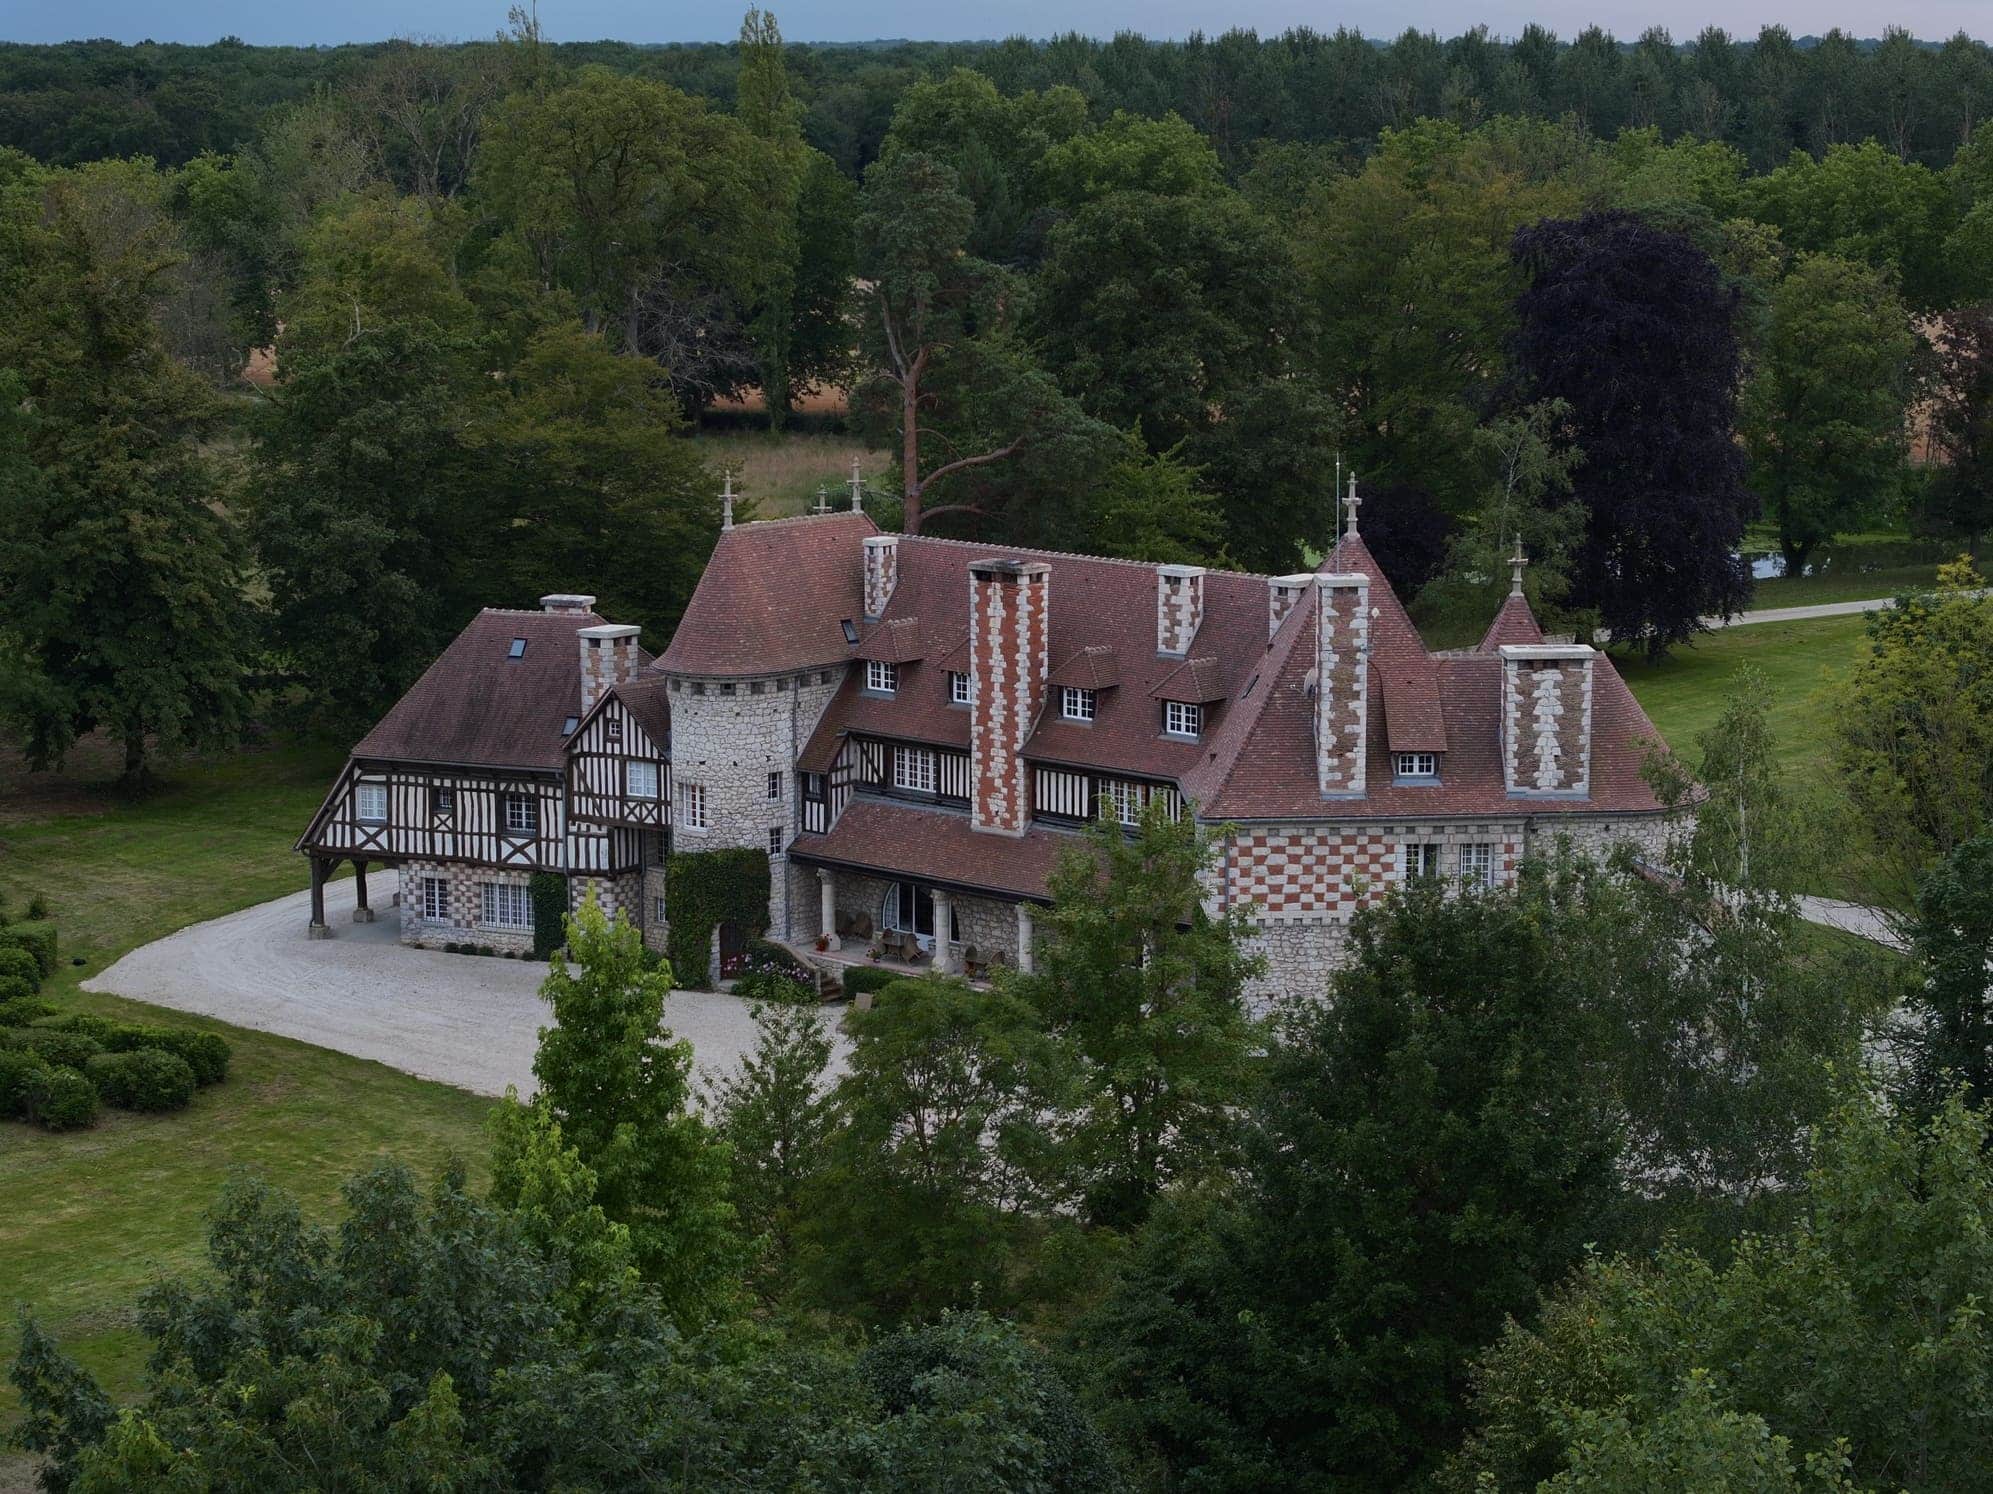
column 86, row 1220
column 1684, row 694
column 781, row 471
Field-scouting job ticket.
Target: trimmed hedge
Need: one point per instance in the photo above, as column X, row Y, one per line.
column 548, row 891
column 96, row 1028
column 62, row 1050
column 20, row 964
column 14, row 988
column 861, row 978
column 21, row 1075
column 19, row 1011
column 704, row 889
column 63, row 1099
column 206, row 1054
column 143, row 1079
column 37, row 938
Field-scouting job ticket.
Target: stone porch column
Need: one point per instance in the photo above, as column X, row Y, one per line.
column 827, row 894
column 946, row 958
column 1024, row 921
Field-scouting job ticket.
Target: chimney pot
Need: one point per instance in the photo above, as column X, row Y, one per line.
column 608, row 659
column 882, row 572
column 1179, row 607
column 567, row 601
column 1546, row 725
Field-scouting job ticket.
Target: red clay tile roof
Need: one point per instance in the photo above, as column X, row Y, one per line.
column 772, row 597
column 1515, row 623
column 478, row 706
column 932, row 845
column 893, row 642
column 1413, row 718
column 649, row 705
column 1095, row 668
column 1195, row 681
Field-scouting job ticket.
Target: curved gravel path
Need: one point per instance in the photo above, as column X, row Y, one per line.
column 461, row 1019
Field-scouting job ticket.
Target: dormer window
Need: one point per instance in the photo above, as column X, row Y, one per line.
column 958, row 687
column 1415, row 767
column 1182, row 719
column 1075, row 703
column 881, row 678
column 518, row 649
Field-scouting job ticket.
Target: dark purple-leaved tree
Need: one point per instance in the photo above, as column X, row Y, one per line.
column 1634, row 329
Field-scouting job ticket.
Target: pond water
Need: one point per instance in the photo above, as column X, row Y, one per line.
column 1844, row 560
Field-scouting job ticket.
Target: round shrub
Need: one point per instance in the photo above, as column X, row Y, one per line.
column 19, row 1011
column 38, row 939
column 144, row 1079
column 21, row 1074
column 97, row 1029
column 861, row 978
column 62, row 1050
column 63, row 1100
column 17, row 963
column 206, row 1053
column 15, row 988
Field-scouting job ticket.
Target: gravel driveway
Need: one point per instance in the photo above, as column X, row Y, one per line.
column 462, row 1019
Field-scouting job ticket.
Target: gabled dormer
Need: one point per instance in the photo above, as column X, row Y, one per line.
column 619, row 757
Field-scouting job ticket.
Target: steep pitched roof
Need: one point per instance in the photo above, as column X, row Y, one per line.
column 1515, row 623
column 649, row 705
column 478, row 705
column 896, row 841
column 1413, row 718
column 772, row 598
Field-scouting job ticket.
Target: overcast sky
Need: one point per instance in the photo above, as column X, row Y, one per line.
column 293, row 21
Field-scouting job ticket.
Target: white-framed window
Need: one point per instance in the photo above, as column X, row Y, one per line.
column 775, row 840
column 442, row 802
column 692, row 806
column 774, row 786
column 1075, row 703
column 1182, row 719
column 612, row 728
column 958, row 687
column 505, row 905
column 1121, row 800
column 657, row 910
column 915, row 768
column 370, row 800
column 1477, row 864
column 640, row 780
column 881, row 676
column 522, row 814
column 435, row 898
column 1421, row 858
column 1416, row 765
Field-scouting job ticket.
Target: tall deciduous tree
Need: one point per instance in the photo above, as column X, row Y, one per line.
column 1961, row 396
column 1823, row 413
column 1147, row 992
column 617, row 1084
column 122, row 581
column 1633, row 329
column 1950, row 998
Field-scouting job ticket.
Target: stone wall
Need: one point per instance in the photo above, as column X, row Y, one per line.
column 1596, row 836
column 466, row 905
column 619, row 896
column 1300, row 959
column 1546, row 724
column 728, row 736
column 657, row 928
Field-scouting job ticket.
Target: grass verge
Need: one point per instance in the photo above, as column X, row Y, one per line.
column 87, row 1219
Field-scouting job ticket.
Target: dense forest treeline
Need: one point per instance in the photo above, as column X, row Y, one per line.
column 1768, row 96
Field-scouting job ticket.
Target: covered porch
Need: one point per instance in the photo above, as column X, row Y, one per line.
column 913, row 924
column 324, row 866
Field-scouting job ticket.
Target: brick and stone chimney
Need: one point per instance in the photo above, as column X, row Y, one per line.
column 1547, row 718
column 1282, row 592
column 882, row 572
column 1179, row 607
column 568, row 604
column 608, row 659
column 1010, row 624
column 1342, row 679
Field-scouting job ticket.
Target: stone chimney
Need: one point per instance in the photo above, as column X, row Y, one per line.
column 568, row 604
column 882, row 572
column 608, row 658
column 1179, row 607
column 1547, row 718
column 1282, row 592
column 1342, row 680
column 1010, row 624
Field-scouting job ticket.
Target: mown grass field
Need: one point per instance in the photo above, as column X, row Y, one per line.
column 87, row 1219
column 1685, row 694
column 782, row 472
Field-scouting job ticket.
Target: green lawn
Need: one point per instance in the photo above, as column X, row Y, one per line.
column 87, row 1219
column 1685, row 693
column 1856, row 586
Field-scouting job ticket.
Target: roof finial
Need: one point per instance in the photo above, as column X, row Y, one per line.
column 727, row 501
column 1354, row 503
column 823, row 500
column 1516, row 562
column 857, row 488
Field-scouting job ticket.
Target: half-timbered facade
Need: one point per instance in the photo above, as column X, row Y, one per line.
column 914, row 730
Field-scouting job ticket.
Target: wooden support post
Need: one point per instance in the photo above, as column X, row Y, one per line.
column 361, row 912
column 316, row 929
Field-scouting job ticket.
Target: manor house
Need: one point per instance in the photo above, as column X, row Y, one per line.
column 913, row 729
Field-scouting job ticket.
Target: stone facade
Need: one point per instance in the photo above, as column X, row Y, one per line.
column 727, row 738
column 462, row 922
column 1547, row 718
column 1179, row 607
column 1342, row 672
column 1009, row 633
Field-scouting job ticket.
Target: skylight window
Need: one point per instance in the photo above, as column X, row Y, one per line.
column 568, row 726
column 850, row 629
column 518, row 650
